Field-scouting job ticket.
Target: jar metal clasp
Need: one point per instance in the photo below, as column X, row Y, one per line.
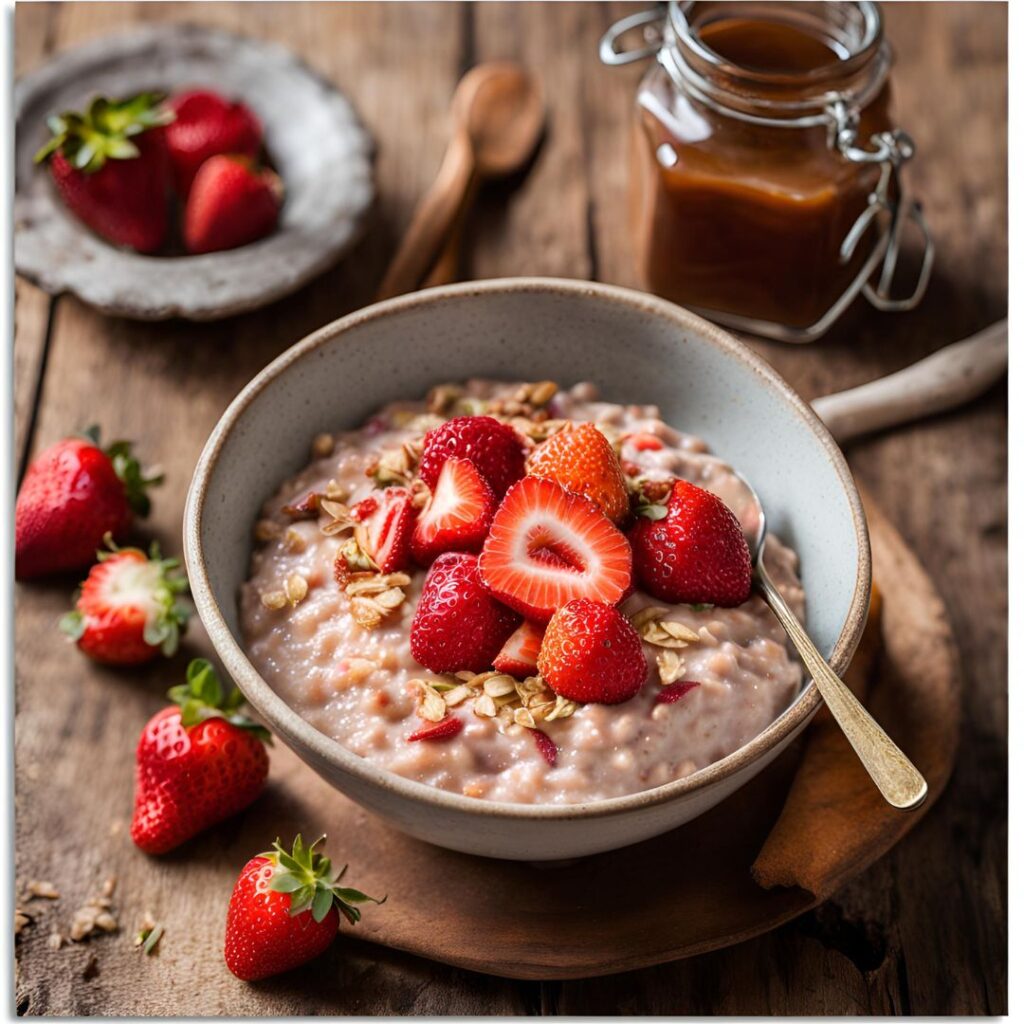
column 653, row 38
column 887, row 202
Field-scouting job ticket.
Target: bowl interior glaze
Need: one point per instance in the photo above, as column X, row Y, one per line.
column 636, row 348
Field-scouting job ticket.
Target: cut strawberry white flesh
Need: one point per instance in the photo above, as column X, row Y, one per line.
column 385, row 527
column 458, row 514
column 519, row 655
column 548, row 546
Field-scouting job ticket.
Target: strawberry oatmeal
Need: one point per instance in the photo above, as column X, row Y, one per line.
column 520, row 594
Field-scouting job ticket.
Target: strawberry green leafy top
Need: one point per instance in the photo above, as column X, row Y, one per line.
column 104, row 132
column 306, row 875
column 202, row 697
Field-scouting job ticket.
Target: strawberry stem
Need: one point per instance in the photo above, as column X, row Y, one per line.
column 202, row 696
column 306, row 876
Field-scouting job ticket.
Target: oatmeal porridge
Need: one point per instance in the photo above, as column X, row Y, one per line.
column 332, row 612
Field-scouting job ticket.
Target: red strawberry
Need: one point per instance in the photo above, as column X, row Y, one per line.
column 74, row 494
column 519, row 655
column 448, row 727
column 580, row 458
column 196, row 763
column 546, row 747
column 386, row 521
column 285, row 910
column 591, row 654
column 110, row 167
column 230, row 204
column 458, row 626
column 458, row 514
column 675, row 691
column 205, row 124
column 694, row 552
column 644, row 442
column 127, row 610
column 547, row 546
column 495, row 448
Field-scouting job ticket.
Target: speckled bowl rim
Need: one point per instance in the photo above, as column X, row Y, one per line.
column 301, row 734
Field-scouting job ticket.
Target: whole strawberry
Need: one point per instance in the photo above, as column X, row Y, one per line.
column 197, row 763
column 495, row 448
column 458, row 626
column 127, row 611
column 592, row 654
column 74, row 494
column 691, row 549
column 580, row 458
column 231, row 203
column 206, row 124
column 111, row 169
column 285, row 910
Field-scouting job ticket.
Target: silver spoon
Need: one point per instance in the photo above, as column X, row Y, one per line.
column 890, row 769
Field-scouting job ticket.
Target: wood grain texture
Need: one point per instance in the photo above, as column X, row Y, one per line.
column 923, row 930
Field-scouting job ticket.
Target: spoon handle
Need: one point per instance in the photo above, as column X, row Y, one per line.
column 896, row 778
column 432, row 221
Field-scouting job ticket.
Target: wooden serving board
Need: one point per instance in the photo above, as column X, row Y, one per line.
column 691, row 890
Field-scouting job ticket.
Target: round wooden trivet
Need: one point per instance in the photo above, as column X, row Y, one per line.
column 813, row 816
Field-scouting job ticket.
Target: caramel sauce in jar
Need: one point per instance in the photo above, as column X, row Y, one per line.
column 739, row 210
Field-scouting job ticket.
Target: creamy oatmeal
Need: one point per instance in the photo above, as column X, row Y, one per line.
column 339, row 653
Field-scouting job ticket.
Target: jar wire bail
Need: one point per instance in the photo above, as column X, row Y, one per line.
column 887, row 201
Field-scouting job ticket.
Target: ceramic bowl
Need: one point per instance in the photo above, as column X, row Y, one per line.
column 328, row 186
column 637, row 349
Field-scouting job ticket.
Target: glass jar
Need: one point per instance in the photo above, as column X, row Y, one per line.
column 765, row 177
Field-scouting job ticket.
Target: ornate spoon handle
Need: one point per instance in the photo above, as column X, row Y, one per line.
column 890, row 769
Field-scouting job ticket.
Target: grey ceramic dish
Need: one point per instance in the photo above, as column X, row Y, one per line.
column 328, row 186
column 637, row 349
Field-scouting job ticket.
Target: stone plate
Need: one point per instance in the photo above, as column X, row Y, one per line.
column 313, row 136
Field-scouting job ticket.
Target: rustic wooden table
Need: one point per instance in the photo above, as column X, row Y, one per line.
column 923, row 931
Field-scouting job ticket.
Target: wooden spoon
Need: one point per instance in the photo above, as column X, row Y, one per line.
column 498, row 112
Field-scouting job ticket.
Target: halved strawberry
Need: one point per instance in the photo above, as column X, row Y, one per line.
column 547, row 547
column 386, row 521
column 519, row 655
column 458, row 514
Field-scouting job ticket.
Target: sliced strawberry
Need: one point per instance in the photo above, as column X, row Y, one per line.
column 386, row 520
column 519, row 655
column 547, row 547
column 546, row 746
column 444, row 730
column 458, row 514
column 675, row 691
column 644, row 442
